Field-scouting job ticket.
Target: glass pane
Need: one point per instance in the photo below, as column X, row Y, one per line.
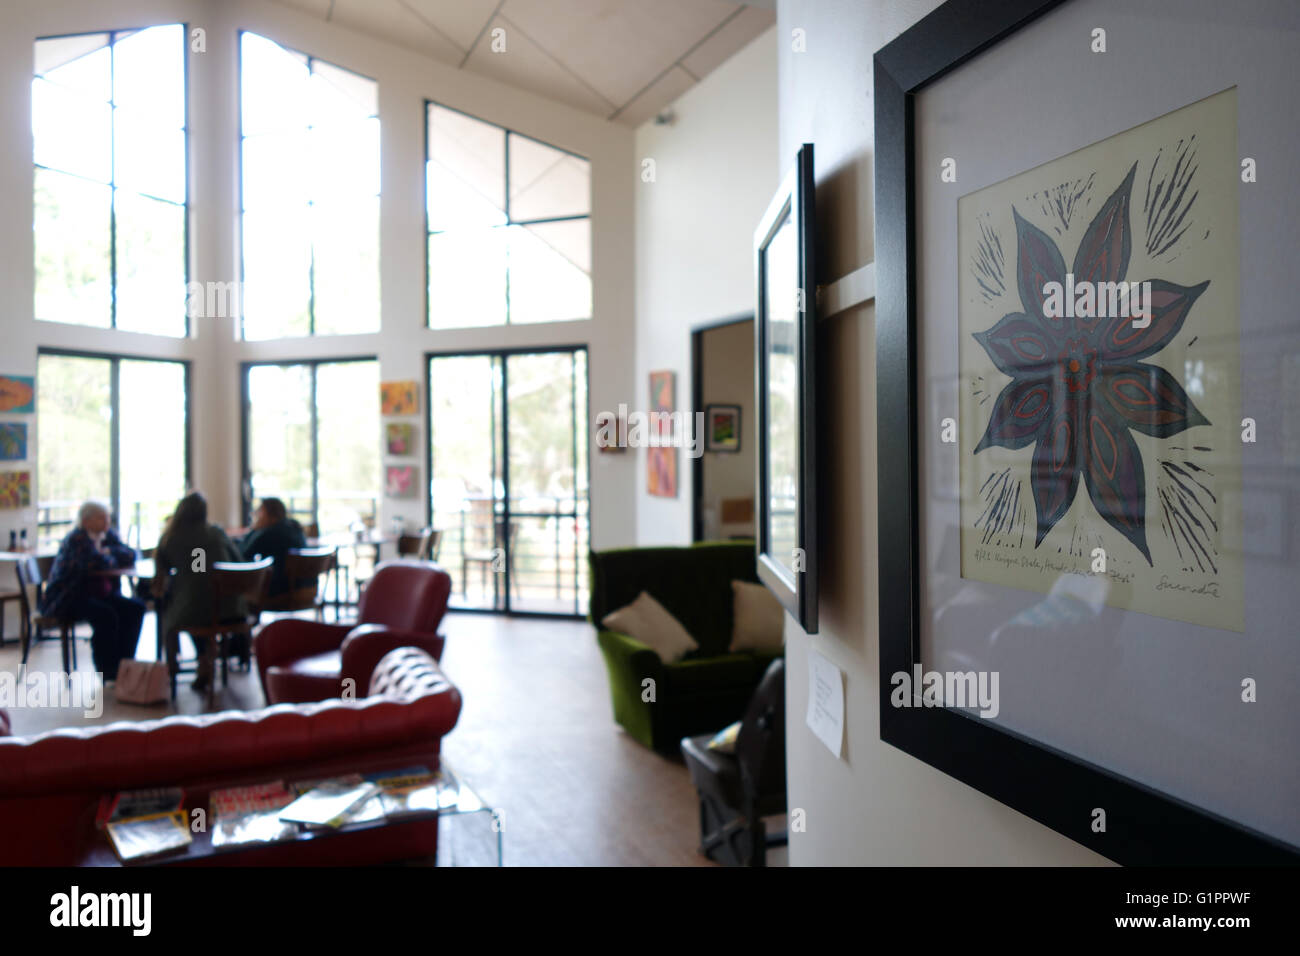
column 79, row 63
column 343, row 158
column 464, row 425
column 75, row 409
column 546, row 182
column 275, row 171
column 279, row 434
column 150, row 157
column 467, row 278
column 347, row 408
column 149, row 74
column 465, row 172
column 71, row 132
column 273, row 86
column 340, row 96
column 346, row 267
column 277, row 273
column 546, row 429
column 150, row 265
column 782, row 464
column 151, row 447
column 550, row 272
column 71, row 230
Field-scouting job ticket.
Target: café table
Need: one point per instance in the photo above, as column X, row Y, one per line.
column 348, row 539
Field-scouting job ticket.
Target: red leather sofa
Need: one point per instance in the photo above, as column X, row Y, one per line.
column 51, row 783
column 300, row 661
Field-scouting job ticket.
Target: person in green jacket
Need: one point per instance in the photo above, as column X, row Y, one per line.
column 182, row 582
column 273, row 535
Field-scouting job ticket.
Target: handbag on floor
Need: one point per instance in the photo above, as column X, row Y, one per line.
column 143, row 682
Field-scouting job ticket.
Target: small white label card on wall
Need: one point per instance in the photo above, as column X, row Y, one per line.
column 825, row 701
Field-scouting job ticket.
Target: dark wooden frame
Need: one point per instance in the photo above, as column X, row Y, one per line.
column 795, row 199
column 1144, row 826
column 698, row 332
column 708, row 433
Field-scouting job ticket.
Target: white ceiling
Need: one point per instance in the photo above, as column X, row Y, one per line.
column 623, row 60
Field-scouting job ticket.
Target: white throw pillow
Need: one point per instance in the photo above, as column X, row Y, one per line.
column 648, row 621
column 758, row 620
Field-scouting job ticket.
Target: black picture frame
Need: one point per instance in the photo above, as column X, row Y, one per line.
column 708, row 429
column 1144, row 826
column 793, row 203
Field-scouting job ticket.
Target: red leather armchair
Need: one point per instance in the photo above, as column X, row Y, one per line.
column 302, row 661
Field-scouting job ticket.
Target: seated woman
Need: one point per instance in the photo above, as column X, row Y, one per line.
column 75, row 591
column 273, row 535
column 189, row 596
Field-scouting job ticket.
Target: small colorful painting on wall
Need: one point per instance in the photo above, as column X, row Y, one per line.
column 17, row 394
column 661, row 461
column 399, row 398
column 15, row 490
column 13, row 441
column 724, row 427
column 400, row 481
column 401, row 438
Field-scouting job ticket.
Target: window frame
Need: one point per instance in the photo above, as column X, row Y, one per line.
column 428, row 233
column 240, row 136
column 112, row 183
column 115, row 360
column 245, row 431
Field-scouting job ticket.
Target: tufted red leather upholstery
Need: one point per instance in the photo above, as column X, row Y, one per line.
column 300, row 661
column 49, row 782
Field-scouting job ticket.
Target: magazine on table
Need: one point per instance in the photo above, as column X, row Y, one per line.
column 147, row 837
column 130, row 804
column 328, row 803
column 251, row 814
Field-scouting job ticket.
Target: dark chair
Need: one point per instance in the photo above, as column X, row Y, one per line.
column 423, row 546
column 738, row 789
column 10, row 595
column 32, row 575
column 230, row 581
column 302, row 565
column 505, row 536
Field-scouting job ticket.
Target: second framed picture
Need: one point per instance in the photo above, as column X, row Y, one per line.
column 722, row 423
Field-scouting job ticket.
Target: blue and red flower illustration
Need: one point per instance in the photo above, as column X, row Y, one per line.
column 1077, row 383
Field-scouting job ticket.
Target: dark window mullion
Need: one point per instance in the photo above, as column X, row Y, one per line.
column 112, row 180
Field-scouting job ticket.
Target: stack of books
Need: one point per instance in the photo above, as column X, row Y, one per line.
column 145, row 824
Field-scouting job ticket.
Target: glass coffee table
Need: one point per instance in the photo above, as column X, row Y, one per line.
column 469, row 831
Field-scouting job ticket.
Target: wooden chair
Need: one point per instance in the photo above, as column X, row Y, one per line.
column 423, row 546
column 302, row 564
column 11, row 596
column 230, row 581
column 32, row 575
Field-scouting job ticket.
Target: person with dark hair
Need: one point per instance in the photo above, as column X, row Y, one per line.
column 273, row 535
column 189, row 546
column 75, row 591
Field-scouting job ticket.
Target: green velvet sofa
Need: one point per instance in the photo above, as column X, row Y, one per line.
column 710, row 687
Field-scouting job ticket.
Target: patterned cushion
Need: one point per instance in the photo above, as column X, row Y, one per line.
column 405, row 673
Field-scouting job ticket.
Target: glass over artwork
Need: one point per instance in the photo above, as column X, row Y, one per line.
column 781, row 358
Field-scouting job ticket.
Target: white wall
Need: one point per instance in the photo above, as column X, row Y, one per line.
column 877, row 805
column 716, row 168
column 405, row 80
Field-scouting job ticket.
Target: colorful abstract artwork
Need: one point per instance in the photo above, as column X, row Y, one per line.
column 399, row 398
column 1100, row 361
column 400, row 438
column 18, row 394
column 400, row 481
column 723, row 423
column 661, row 460
column 13, row 441
column 15, row 490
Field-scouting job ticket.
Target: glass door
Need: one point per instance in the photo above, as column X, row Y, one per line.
column 508, row 478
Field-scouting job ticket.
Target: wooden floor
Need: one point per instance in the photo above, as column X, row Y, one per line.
column 536, row 739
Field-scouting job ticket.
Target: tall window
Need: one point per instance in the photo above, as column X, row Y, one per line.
column 310, row 181
column 509, row 226
column 312, row 439
column 111, row 429
column 108, row 124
